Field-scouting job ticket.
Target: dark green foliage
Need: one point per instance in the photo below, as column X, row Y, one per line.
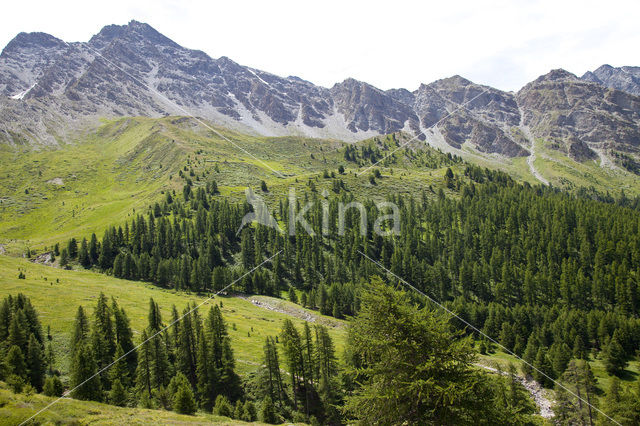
column 577, row 379
column 119, row 370
column 223, row 407
column 249, row 413
column 53, row 387
column 402, row 379
column 102, row 337
column 72, row 248
column 118, row 394
column 543, row 370
column 238, row 410
column 83, row 254
column 15, row 363
column 124, row 338
column 184, row 401
column 292, row 295
column 268, row 412
column 615, row 359
column 64, row 258
column 549, row 275
column 621, row 406
column 143, row 370
column 21, row 343
column 36, row 364
column 84, row 380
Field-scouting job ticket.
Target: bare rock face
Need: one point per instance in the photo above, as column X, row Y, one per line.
column 368, row 108
column 50, row 89
column 578, row 115
column 469, row 113
column 626, row 79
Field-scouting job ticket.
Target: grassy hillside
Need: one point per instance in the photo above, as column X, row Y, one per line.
column 16, row 408
column 50, row 195
column 56, row 294
column 603, row 379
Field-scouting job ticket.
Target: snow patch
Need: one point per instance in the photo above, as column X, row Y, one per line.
column 21, row 95
column 259, row 78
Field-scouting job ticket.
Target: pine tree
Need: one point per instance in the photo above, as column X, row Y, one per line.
column 431, row 367
column 207, row 375
column 15, row 362
column 53, row 387
column 293, row 351
column 185, row 351
column 35, row 363
column 93, row 250
column 103, row 340
column 118, row 394
column 293, row 297
column 80, row 331
column 529, row 355
column 615, row 359
column 249, row 412
column 183, row 401
column 17, row 336
column 157, row 346
column 268, row 411
column 84, row 380
column 124, row 337
column 50, row 358
column 272, row 366
column 223, row 407
column 238, row 411
column 143, row 370
column 543, row 372
column 119, row 370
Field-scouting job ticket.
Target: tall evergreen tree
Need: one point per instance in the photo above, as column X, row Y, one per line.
column 36, row 364
column 85, row 382
column 103, row 339
column 423, row 375
column 143, row 369
column 80, row 331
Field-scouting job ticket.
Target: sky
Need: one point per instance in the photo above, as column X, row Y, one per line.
column 390, row 44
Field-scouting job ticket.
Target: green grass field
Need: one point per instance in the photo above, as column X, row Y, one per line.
column 57, row 293
column 16, row 408
column 50, row 195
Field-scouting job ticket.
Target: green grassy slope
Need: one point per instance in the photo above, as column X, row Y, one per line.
column 51, row 195
column 16, row 408
column 57, row 299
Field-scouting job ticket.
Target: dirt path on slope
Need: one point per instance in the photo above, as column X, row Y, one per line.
column 534, row 388
column 287, row 308
column 532, row 148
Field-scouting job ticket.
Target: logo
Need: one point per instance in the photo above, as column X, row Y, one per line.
column 260, row 212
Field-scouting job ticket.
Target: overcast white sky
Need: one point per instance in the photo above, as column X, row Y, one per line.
column 389, row 44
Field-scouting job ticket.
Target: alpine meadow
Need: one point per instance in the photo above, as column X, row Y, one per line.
column 188, row 240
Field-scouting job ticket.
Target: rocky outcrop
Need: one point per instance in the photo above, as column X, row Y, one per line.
column 50, row 89
column 577, row 115
column 626, row 79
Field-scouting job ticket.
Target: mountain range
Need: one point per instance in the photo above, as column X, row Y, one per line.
column 50, row 90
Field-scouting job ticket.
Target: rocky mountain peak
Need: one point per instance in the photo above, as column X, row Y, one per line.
column 47, row 86
column 624, row 78
column 556, row 75
column 36, row 40
column 133, row 32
